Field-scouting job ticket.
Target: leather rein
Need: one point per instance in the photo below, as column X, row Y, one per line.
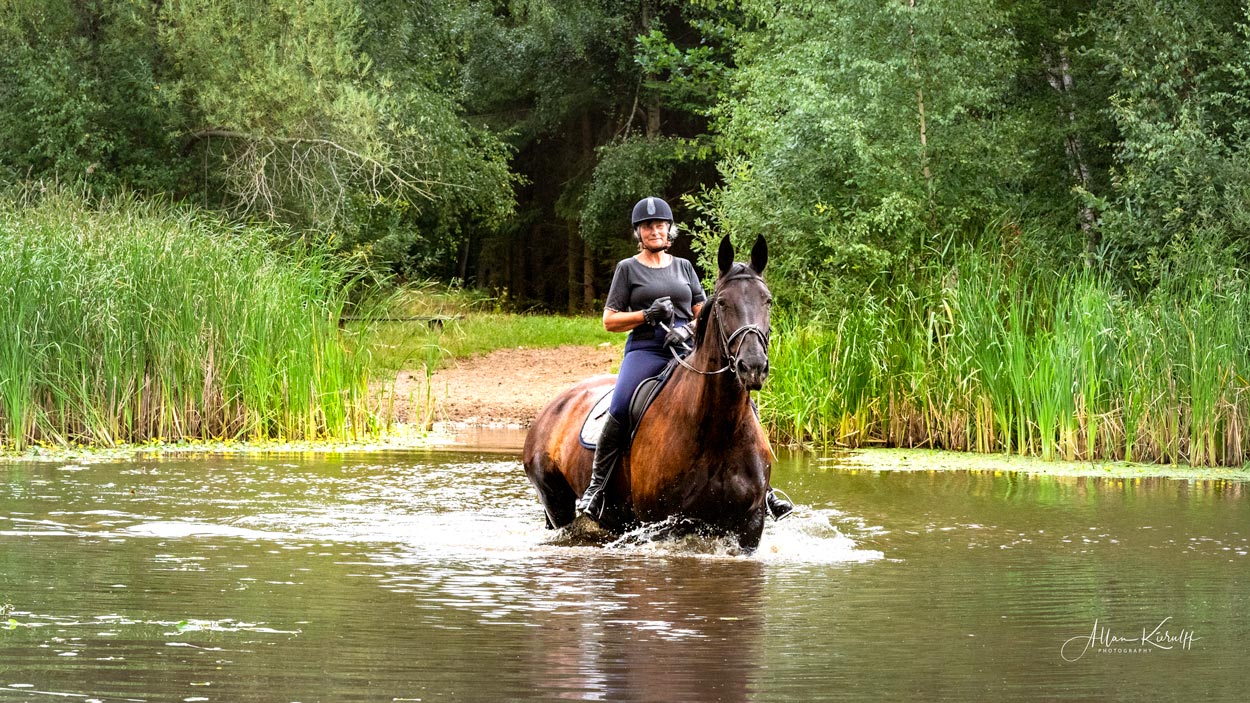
column 726, row 341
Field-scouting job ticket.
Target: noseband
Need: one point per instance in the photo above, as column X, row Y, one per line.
column 726, row 341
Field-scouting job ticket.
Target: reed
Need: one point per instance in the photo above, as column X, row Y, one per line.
column 993, row 357
column 128, row 321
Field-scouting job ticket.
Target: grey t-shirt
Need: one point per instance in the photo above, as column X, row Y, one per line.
column 635, row 286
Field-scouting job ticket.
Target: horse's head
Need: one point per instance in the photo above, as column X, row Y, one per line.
column 740, row 310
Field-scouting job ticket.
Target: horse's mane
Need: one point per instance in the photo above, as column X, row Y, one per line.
column 704, row 315
column 738, row 269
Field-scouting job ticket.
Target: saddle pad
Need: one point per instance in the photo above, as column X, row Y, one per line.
column 593, row 426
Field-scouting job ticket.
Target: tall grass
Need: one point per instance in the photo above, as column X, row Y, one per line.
column 989, row 357
column 127, row 321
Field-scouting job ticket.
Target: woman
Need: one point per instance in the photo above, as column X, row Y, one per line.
column 650, row 289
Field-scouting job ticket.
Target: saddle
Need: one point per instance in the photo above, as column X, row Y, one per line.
column 643, row 396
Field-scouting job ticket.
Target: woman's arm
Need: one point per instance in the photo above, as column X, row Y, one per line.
column 658, row 314
column 615, row 321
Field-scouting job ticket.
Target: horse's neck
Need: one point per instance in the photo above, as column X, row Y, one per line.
column 711, row 393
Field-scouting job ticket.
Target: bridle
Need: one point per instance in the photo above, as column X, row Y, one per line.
column 726, row 341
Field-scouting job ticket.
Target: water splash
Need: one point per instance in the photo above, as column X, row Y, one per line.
column 808, row 536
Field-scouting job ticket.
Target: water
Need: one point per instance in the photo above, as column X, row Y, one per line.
column 428, row 576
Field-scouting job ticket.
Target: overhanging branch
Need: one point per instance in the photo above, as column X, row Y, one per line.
column 318, row 172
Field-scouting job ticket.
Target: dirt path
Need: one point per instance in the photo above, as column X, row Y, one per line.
column 506, row 388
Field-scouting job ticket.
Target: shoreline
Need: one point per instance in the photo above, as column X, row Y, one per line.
column 916, row 460
column 507, row 438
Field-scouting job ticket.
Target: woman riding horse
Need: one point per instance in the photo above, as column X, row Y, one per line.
column 649, row 290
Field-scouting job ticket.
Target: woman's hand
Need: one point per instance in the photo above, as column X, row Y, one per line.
column 660, row 311
column 679, row 336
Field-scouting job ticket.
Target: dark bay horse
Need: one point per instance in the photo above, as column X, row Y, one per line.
column 699, row 454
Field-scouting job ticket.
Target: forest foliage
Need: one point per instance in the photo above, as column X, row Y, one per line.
column 489, row 142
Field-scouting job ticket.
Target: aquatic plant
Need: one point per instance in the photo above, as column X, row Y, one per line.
column 991, row 357
column 129, row 321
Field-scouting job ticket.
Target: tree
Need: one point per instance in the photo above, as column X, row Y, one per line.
column 334, row 114
column 588, row 93
column 303, row 118
column 859, row 134
column 85, row 96
column 1177, row 84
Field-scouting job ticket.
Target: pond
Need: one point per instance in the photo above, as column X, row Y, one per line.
column 428, row 576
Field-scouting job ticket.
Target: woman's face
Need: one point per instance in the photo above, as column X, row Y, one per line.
column 654, row 235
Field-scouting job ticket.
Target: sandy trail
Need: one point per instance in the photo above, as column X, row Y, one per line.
column 505, row 388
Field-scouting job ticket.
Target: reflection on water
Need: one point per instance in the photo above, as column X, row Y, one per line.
column 429, row 576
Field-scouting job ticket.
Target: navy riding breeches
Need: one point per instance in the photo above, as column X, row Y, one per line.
column 644, row 358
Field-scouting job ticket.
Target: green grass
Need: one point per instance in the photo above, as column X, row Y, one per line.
column 127, row 321
column 993, row 358
column 405, row 345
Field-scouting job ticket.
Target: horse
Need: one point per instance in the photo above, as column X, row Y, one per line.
column 699, row 455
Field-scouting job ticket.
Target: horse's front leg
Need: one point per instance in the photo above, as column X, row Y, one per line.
column 752, row 530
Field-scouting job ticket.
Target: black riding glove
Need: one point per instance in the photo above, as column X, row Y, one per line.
column 679, row 336
column 660, row 311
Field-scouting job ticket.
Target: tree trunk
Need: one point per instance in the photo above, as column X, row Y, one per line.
column 652, row 107
column 588, row 278
column 462, row 270
column 924, row 135
column 1059, row 75
column 574, row 259
column 521, row 262
column 577, row 252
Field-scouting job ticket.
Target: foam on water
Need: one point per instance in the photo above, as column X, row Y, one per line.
column 808, row 536
column 441, row 510
column 179, row 529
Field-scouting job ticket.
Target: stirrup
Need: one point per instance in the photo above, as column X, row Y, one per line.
column 592, row 507
column 781, row 514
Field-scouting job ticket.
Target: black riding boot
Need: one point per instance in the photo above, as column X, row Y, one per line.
column 607, row 452
column 778, row 507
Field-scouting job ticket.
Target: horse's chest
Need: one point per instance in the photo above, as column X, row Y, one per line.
column 706, row 487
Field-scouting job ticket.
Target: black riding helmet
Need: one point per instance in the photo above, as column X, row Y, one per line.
column 652, row 209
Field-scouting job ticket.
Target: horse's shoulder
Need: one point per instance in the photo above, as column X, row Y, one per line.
column 753, row 445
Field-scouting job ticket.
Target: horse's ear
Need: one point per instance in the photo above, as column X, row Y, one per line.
column 725, row 257
column 759, row 255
